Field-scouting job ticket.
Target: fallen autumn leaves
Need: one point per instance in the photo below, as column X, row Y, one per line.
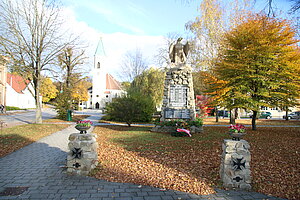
column 138, row 156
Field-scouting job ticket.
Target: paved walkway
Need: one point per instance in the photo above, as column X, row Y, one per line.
column 38, row 169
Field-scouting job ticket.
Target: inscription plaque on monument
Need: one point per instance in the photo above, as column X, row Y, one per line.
column 178, row 95
column 177, row 114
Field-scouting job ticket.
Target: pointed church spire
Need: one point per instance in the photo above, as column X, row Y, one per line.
column 100, row 48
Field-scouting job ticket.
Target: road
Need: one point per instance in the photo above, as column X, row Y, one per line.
column 25, row 117
column 28, row 116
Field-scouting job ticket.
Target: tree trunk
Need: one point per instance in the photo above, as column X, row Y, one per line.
column 38, row 112
column 232, row 116
column 217, row 114
column 254, row 120
column 236, row 113
column 286, row 113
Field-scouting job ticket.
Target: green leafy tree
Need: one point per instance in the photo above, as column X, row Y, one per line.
column 131, row 108
column 259, row 65
column 150, row 82
column 48, row 90
column 63, row 104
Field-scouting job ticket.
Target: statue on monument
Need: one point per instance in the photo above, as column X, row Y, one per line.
column 178, row 52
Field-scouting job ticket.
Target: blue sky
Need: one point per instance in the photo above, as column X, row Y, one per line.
column 140, row 17
column 143, row 17
column 127, row 25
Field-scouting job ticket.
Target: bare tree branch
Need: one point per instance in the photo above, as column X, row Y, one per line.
column 31, row 35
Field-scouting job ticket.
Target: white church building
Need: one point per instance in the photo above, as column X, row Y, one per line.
column 105, row 87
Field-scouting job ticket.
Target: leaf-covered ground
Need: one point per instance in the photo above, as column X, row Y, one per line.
column 135, row 155
column 14, row 138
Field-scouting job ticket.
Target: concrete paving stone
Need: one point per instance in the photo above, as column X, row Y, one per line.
column 69, row 196
column 24, row 197
column 141, row 194
column 106, row 190
column 259, row 196
column 137, row 198
column 48, row 191
column 113, row 195
column 53, row 196
column 154, row 189
column 120, row 190
column 133, row 190
column 233, row 193
column 167, row 197
column 194, row 196
column 39, row 196
column 152, row 198
column 221, row 194
column 97, row 187
column 123, row 198
column 220, row 198
column 111, row 187
column 99, row 195
column 91, row 191
column 180, row 192
column 63, row 191
column 247, row 197
column 232, row 197
column 80, row 191
column 182, row 196
column 8, row 198
column 155, row 193
column 169, row 192
column 146, row 189
column 128, row 194
column 86, row 195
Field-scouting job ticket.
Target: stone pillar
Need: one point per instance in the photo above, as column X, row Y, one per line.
column 178, row 99
column 83, row 156
column 235, row 165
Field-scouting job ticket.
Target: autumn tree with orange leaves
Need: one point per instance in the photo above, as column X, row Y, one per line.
column 259, row 66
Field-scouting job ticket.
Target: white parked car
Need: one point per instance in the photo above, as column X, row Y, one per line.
column 293, row 115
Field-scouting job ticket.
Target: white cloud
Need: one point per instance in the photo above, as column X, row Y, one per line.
column 115, row 44
column 113, row 14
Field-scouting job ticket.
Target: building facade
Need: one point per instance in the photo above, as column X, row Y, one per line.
column 19, row 92
column 3, row 77
column 105, row 86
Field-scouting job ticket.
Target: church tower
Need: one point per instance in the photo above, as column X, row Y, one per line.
column 99, row 76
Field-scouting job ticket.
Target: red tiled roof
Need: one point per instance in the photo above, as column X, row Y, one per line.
column 111, row 83
column 17, row 82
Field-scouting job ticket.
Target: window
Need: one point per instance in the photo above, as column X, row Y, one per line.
column 97, row 95
column 98, row 65
column 106, row 96
column 264, row 108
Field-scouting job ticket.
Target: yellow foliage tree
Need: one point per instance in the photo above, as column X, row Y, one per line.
column 48, row 90
column 79, row 91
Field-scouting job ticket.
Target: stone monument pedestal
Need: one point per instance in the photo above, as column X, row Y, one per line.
column 83, row 156
column 235, row 165
column 178, row 100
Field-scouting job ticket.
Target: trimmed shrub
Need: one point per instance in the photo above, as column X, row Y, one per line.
column 130, row 108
